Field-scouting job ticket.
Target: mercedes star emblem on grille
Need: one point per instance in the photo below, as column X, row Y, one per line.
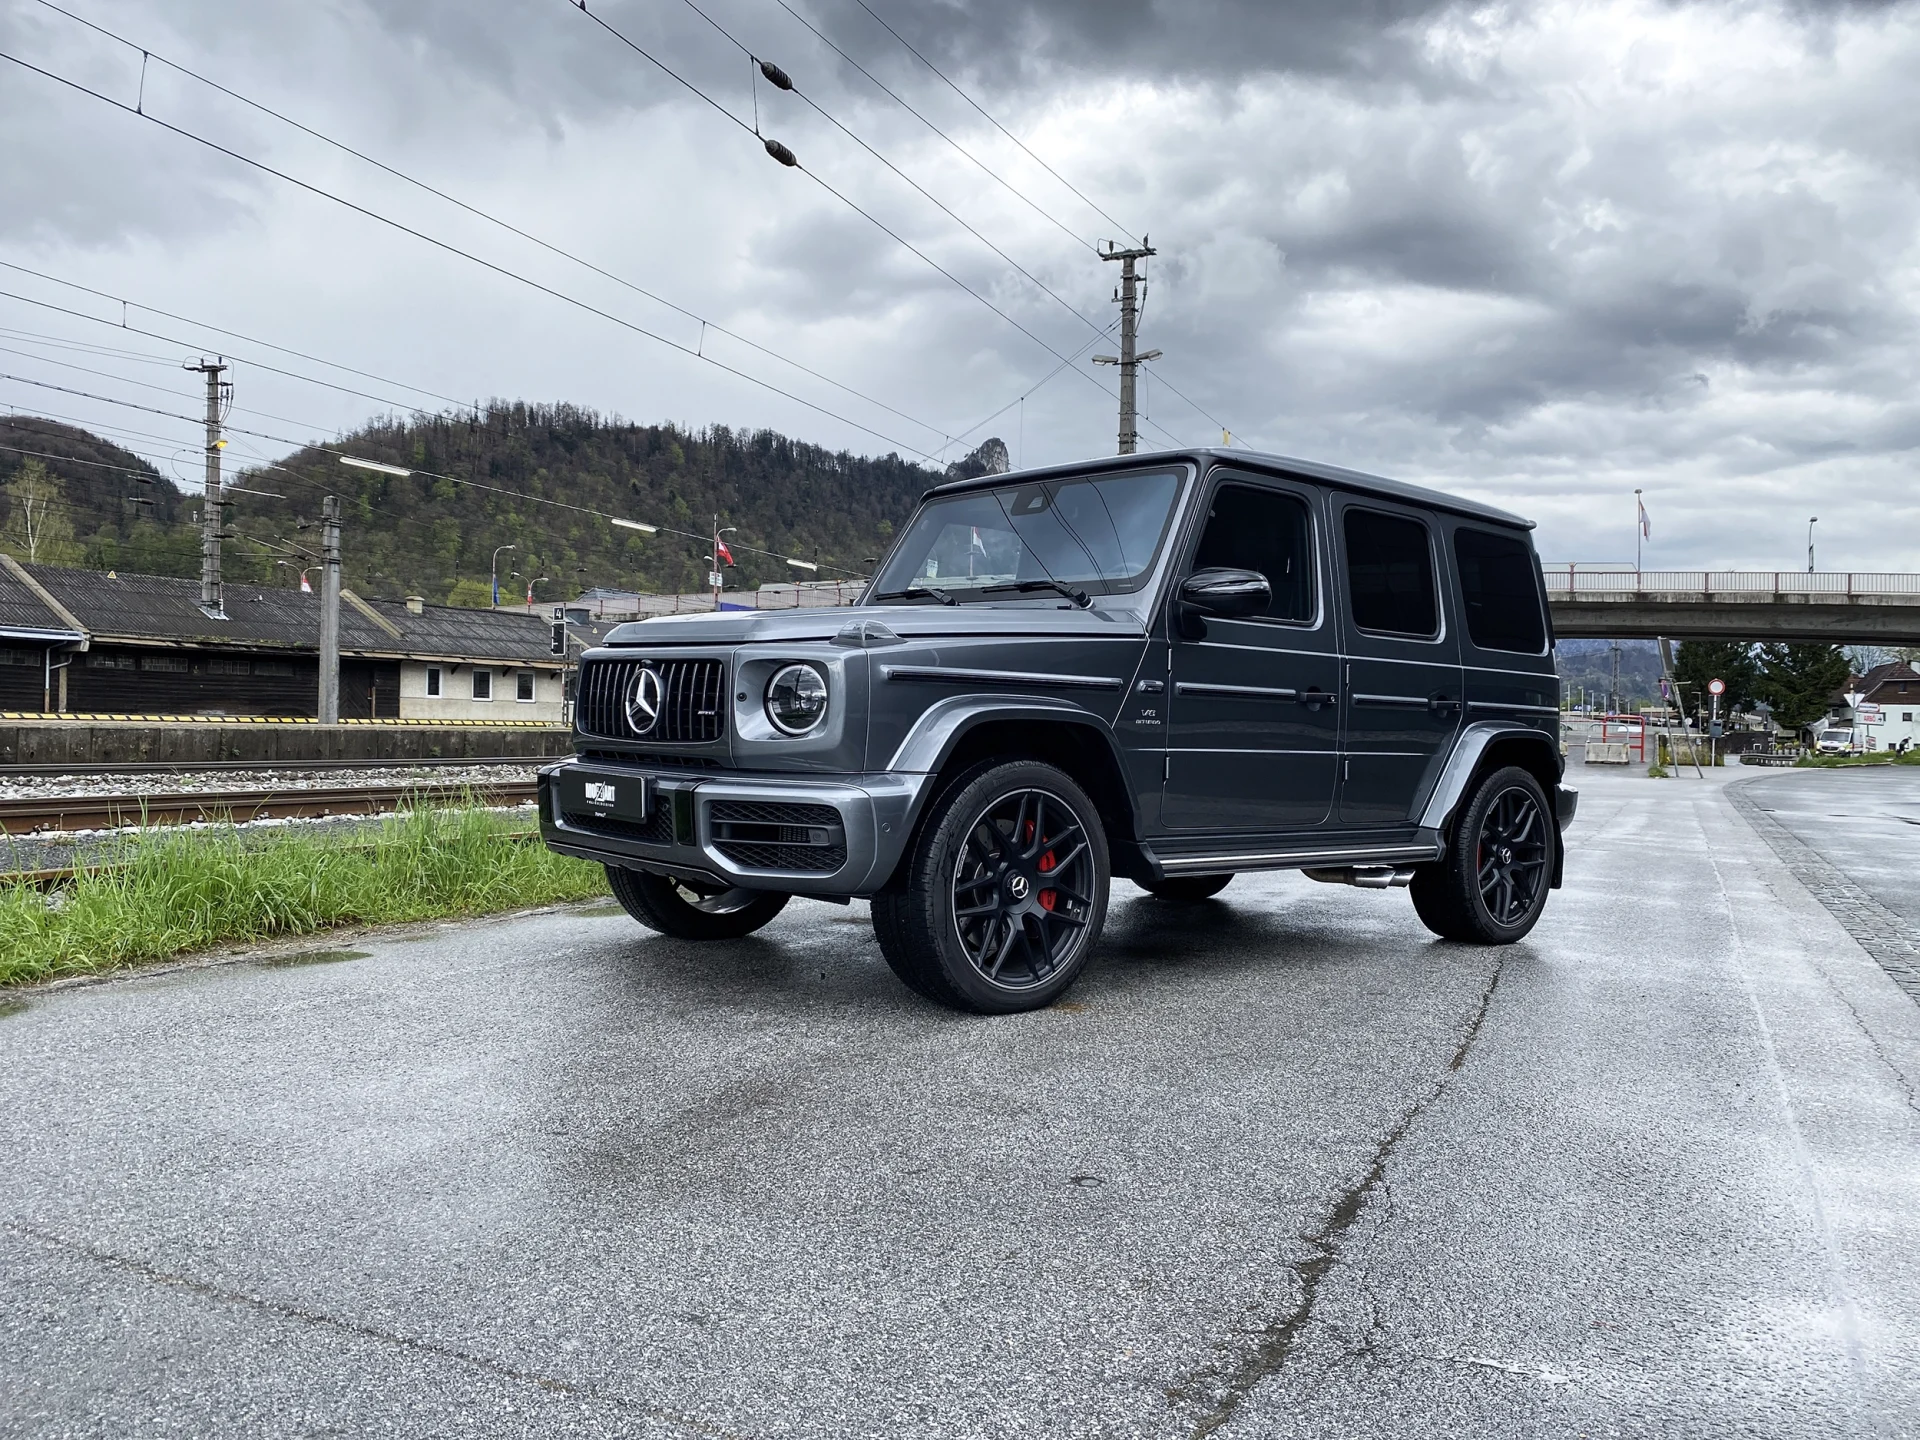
column 643, row 702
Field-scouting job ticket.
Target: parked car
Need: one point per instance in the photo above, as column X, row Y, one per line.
column 1834, row 740
column 1172, row 667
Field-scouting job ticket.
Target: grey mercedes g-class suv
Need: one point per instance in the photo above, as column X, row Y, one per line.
column 1171, row 667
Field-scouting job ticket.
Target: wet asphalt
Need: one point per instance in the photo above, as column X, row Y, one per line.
column 1282, row 1166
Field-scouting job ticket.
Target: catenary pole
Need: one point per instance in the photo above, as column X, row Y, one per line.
column 330, row 611
column 1129, row 361
column 212, row 592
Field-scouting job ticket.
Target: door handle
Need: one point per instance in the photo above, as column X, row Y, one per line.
column 1313, row 697
column 1440, row 704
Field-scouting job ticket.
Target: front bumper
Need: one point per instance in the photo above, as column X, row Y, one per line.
column 800, row 835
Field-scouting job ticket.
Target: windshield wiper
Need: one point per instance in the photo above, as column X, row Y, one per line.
column 1027, row 587
column 933, row 592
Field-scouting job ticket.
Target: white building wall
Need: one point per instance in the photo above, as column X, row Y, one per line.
column 456, row 700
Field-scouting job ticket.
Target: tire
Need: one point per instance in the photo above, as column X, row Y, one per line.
column 689, row 912
column 992, row 917
column 1491, row 885
column 1186, row 889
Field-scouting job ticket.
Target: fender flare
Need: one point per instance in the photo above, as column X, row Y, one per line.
column 933, row 737
column 1451, row 788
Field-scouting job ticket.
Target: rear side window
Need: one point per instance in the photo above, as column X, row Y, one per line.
column 1390, row 575
column 1249, row 528
column 1499, row 591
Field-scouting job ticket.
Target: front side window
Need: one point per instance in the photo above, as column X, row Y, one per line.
column 523, row 687
column 1499, row 592
column 482, row 684
column 1099, row 533
column 1390, row 575
column 1250, row 528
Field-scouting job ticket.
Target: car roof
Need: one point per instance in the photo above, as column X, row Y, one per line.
column 1254, row 460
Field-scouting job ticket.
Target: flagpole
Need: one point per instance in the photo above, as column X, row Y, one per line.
column 1639, row 529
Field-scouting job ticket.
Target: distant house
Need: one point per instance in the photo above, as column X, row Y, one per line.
column 1893, row 690
column 84, row 642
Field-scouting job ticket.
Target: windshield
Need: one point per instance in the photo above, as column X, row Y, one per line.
column 1096, row 533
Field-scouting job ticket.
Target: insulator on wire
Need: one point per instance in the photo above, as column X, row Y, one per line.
column 780, row 152
column 776, row 77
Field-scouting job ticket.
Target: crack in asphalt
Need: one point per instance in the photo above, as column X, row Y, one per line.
column 142, row 1269
column 1278, row 1337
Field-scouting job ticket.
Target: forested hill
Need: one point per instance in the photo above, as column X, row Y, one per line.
column 436, row 536
column 68, row 497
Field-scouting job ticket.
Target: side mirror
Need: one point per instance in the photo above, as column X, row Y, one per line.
column 1227, row 592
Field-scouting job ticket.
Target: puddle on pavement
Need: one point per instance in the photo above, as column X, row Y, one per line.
column 312, row 957
column 12, row 1007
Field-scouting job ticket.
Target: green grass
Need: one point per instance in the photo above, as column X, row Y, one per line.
column 166, row 892
column 1873, row 757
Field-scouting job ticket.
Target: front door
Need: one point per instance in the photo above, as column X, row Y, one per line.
column 1253, row 703
column 1403, row 682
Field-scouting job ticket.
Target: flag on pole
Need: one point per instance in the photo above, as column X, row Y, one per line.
column 529, row 594
column 979, row 546
column 1646, row 525
column 496, row 592
column 725, row 554
column 306, row 586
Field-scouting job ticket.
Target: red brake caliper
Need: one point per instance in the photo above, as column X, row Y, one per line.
column 1048, row 898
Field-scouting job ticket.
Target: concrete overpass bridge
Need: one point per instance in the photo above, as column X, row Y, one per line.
column 1829, row 607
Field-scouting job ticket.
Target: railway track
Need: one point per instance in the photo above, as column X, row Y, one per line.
column 112, row 812
column 268, row 767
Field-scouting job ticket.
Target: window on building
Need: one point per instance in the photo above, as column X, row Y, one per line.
column 1249, row 528
column 433, row 682
column 1390, row 575
column 171, row 664
column 482, row 684
column 19, row 657
column 281, row 668
column 97, row 660
column 220, row 665
column 523, row 687
column 1498, row 591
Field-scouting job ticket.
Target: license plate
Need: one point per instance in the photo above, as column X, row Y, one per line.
column 623, row 797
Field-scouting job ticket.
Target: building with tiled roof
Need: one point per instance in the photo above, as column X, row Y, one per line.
column 85, row 641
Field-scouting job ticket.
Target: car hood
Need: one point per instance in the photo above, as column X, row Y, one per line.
column 909, row 622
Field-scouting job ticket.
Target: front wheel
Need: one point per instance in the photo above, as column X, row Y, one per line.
column 1005, row 892
column 688, row 911
column 1491, row 885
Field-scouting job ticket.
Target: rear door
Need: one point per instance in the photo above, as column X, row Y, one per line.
column 1402, row 697
column 1252, row 705
column 1506, row 654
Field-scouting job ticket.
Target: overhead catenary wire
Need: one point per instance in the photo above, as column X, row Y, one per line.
column 502, row 270
column 492, row 219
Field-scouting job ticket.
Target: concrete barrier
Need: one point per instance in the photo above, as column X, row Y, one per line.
column 103, row 742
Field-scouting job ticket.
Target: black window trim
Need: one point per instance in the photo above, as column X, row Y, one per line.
column 1440, row 598
column 1308, row 495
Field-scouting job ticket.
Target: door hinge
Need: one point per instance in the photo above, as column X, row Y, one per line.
column 1346, row 769
column 1166, row 769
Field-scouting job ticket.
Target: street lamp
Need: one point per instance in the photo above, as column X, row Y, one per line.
column 496, row 572
column 537, row 580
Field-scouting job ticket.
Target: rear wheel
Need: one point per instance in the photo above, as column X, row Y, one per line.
column 1187, row 889
column 690, row 911
column 1005, row 892
column 1491, row 885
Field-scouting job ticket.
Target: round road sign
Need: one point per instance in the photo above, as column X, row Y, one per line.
column 1716, row 687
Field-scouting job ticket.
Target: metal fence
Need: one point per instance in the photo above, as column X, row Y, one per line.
column 1571, row 580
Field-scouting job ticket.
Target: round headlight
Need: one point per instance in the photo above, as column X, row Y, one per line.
column 797, row 699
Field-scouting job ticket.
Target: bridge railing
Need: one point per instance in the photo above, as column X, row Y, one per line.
column 1569, row 581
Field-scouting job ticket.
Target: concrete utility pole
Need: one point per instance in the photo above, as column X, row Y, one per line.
column 1128, row 297
column 330, row 611
column 212, row 593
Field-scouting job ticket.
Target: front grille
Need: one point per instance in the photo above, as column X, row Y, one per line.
column 776, row 835
column 693, row 695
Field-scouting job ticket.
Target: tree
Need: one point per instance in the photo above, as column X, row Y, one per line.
column 37, row 529
column 1698, row 661
column 1799, row 681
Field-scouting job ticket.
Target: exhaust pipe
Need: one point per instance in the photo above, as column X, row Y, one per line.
column 1367, row 877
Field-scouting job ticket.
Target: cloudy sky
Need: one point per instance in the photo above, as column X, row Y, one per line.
column 1540, row 254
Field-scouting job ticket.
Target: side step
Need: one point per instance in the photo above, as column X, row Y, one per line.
column 1333, row 863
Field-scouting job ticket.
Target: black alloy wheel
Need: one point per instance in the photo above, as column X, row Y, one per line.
column 1004, row 891
column 1491, row 885
column 690, row 911
column 1186, row 889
